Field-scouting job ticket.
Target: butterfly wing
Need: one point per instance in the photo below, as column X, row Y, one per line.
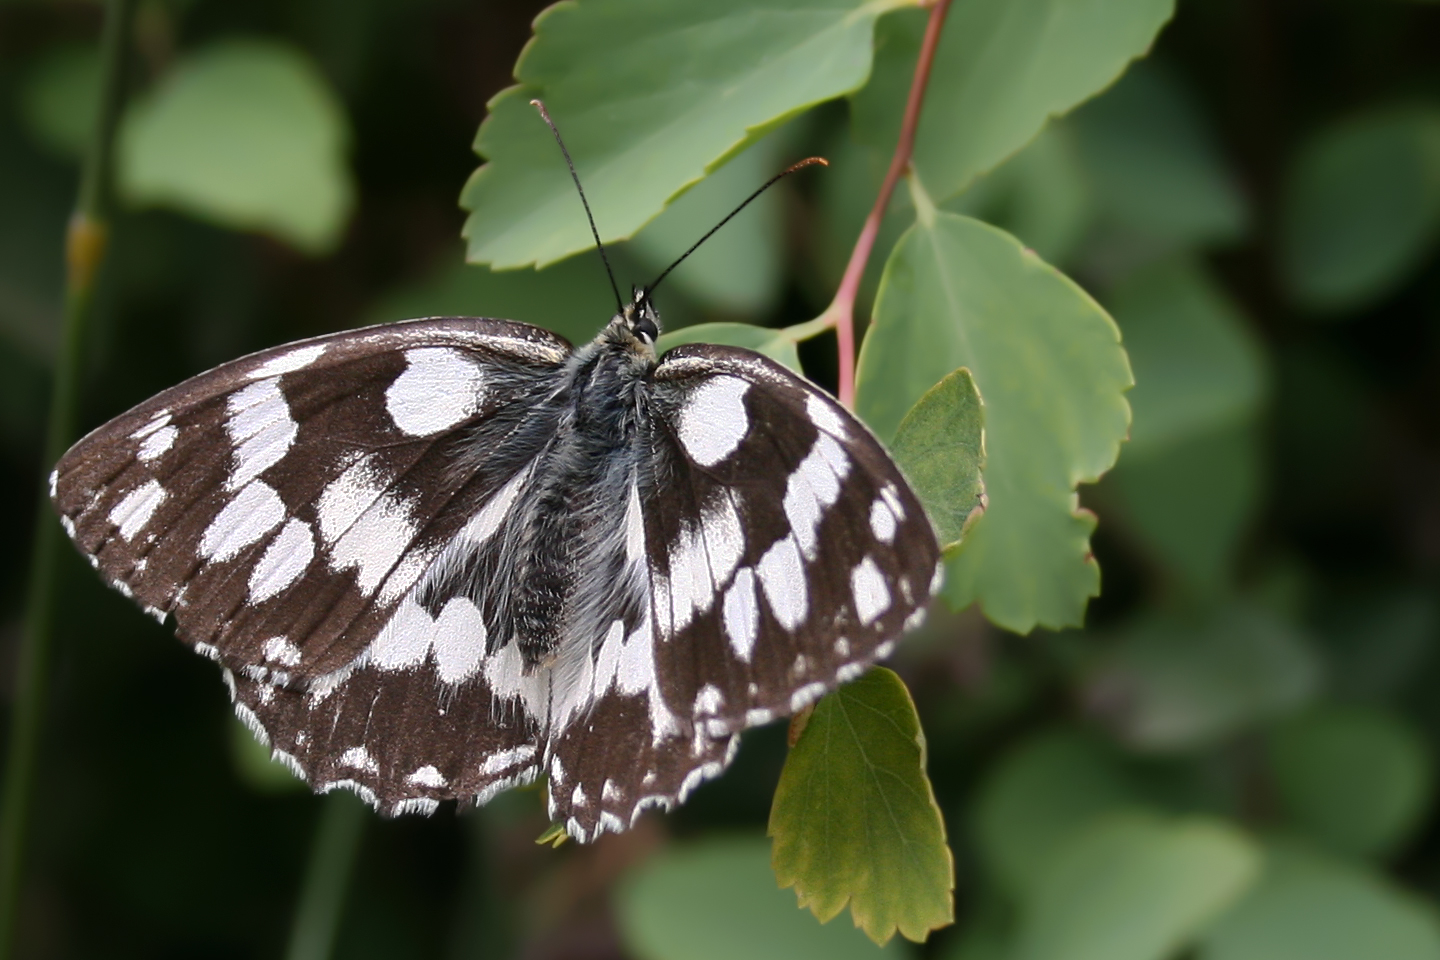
column 280, row 505
column 785, row 553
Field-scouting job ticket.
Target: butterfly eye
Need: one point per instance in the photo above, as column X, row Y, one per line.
column 645, row 329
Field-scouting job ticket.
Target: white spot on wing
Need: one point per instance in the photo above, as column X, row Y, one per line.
column 459, row 640
column 882, row 521
column 872, row 596
column 427, row 776
column 742, row 614
column 824, row 417
column 255, row 511
column 280, row 650
column 782, row 575
column 713, row 420
column 133, row 512
column 610, row 793
column 813, row 487
column 358, row 758
column 439, row 388
column 288, row 362
column 421, row 805
column 158, row 439
column 261, row 428
column 347, row 497
column 577, row 797
column 634, row 527
column 708, row 701
column 284, row 562
column 506, row 759
column 724, row 538
column 375, row 542
column 405, row 638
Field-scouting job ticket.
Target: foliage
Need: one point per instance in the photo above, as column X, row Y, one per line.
column 1230, row 756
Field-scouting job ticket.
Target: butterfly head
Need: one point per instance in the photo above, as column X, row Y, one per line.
column 638, row 323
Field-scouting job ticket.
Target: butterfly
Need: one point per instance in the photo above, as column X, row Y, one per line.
column 439, row 558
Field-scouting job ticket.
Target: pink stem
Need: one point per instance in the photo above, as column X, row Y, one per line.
column 841, row 312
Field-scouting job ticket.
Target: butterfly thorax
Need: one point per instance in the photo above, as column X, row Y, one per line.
column 570, row 557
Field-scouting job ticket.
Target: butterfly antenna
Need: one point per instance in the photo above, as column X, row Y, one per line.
column 544, row 114
column 807, row 162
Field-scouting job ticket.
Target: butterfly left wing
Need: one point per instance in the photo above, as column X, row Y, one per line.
column 785, row 553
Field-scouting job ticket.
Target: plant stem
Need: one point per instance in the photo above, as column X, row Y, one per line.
column 322, row 898
column 85, row 244
column 841, row 312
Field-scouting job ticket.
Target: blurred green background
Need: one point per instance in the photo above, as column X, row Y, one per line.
column 1235, row 760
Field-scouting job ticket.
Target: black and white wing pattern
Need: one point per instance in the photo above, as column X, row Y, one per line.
column 284, row 506
column 439, row 558
column 784, row 553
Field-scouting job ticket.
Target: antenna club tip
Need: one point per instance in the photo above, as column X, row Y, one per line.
column 539, row 104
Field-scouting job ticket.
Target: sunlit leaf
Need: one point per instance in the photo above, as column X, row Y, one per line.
column 854, row 819
column 1135, row 887
column 941, row 447
column 775, row 344
column 1041, row 794
column 248, row 135
column 1002, row 69
column 1048, row 362
column 1177, row 681
column 1356, row 779
column 1361, row 207
column 717, row 900
column 1308, row 907
column 650, row 96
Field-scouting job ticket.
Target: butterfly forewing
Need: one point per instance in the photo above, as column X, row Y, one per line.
column 278, row 504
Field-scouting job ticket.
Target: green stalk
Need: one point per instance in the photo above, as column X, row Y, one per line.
column 84, row 252
column 322, row 898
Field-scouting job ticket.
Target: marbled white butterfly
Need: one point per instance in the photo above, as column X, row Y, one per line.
column 440, row 557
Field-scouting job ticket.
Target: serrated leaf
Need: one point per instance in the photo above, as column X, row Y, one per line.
column 854, row 819
column 1135, row 887
column 650, row 95
column 246, row 134
column 1357, row 779
column 1360, row 208
column 1309, row 907
column 775, row 344
column 1002, row 69
column 940, row 445
column 1047, row 359
column 717, row 900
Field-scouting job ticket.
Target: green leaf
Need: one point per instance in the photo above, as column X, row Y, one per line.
column 1197, row 363
column 1357, row 779
column 775, row 344
column 246, row 134
column 1039, row 796
column 1177, row 681
column 1048, row 361
column 651, row 95
column 1307, row 907
column 854, row 819
column 1191, row 503
column 572, row 298
column 60, row 98
column 1190, row 481
column 1154, row 166
column 940, row 446
column 1361, row 208
column 717, row 900
column 1002, row 69
column 1135, row 887
column 740, row 270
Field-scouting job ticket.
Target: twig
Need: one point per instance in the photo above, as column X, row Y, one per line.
column 85, row 244
column 322, row 897
column 841, row 312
